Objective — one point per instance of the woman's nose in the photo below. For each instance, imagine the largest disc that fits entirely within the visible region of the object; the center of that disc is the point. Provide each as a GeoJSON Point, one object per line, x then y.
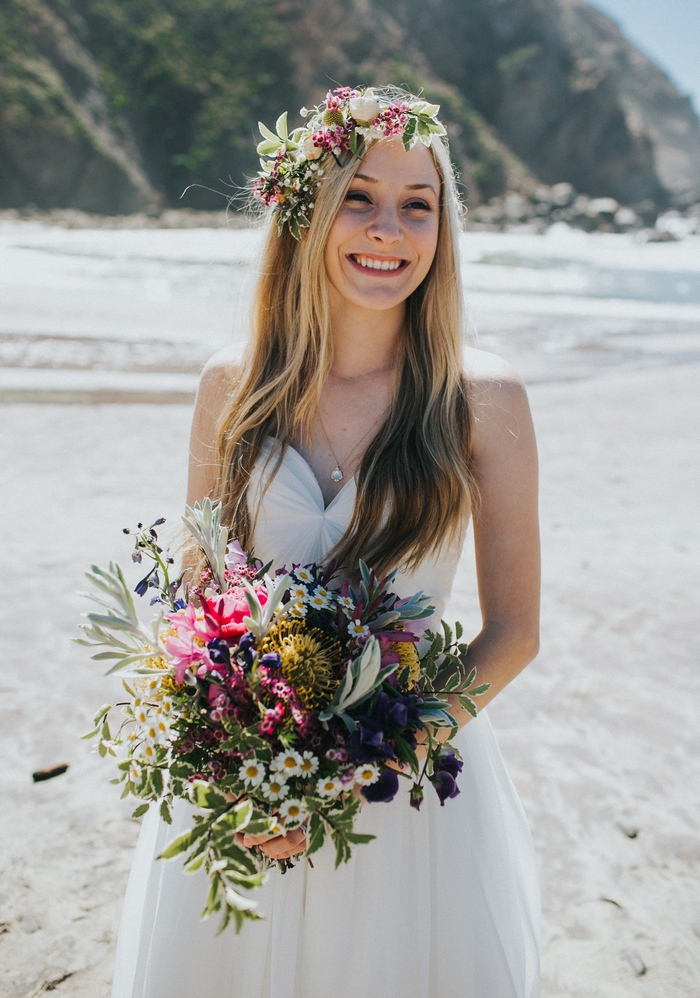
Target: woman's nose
{"type": "Point", "coordinates": [385, 227]}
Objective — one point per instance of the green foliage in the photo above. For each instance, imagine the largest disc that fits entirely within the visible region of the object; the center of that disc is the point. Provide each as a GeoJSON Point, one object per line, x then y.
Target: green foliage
{"type": "Point", "coordinates": [192, 77]}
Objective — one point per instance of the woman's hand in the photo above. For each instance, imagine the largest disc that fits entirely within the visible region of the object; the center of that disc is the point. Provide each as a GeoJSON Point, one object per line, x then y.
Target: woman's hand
{"type": "Point", "coordinates": [276, 846]}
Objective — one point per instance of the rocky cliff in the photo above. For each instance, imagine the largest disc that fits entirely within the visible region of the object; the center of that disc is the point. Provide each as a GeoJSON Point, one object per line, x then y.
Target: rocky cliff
{"type": "Point", "coordinates": [119, 105]}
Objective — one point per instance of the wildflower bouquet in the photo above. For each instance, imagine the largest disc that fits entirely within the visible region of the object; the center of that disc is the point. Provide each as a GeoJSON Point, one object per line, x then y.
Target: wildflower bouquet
{"type": "Point", "coordinates": [269, 703]}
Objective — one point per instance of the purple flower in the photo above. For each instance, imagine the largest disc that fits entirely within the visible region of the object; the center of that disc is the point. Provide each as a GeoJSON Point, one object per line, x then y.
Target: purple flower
{"type": "Point", "coordinates": [219, 652]}
{"type": "Point", "coordinates": [385, 789]}
{"type": "Point", "coordinates": [447, 762]}
{"type": "Point", "coordinates": [445, 786]}
{"type": "Point", "coordinates": [416, 796]}
{"type": "Point", "coordinates": [367, 742]}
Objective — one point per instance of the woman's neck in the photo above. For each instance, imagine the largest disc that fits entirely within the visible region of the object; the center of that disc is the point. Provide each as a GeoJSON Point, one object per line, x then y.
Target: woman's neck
{"type": "Point", "coordinates": [365, 342]}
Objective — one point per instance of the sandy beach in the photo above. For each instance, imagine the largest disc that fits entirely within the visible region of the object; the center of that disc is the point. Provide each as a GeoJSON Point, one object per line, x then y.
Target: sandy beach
{"type": "Point", "coordinates": [101, 338]}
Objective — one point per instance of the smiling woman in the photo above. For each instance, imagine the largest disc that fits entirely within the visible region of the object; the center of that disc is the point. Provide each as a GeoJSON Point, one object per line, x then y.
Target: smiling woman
{"type": "Point", "coordinates": [358, 428]}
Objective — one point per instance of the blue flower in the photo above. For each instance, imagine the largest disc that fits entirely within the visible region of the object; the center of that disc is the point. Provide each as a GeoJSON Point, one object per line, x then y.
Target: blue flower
{"type": "Point", "coordinates": [219, 651]}
{"type": "Point", "coordinates": [445, 786]}
{"type": "Point", "coordinates": [447, 762]}
{"type": "Point", "coordinates": [385, 789]}
{"type": "Point", "coordinates": [367, 742]}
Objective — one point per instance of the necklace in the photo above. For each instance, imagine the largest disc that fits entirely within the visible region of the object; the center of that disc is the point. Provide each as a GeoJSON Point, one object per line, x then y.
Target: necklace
{"type": "Point", "coordinates": [337, 473]}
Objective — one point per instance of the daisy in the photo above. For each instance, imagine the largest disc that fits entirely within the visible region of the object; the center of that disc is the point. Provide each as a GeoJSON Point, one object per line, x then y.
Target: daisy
{"type": "Point", "coordinates": [141, 714]}
{"type": "Point", "coordinates": [293, 811]}
{"type": "Point", "coordinates": [329, 786]}
{"type": "Point", "coordinates": [358, 630]}
{"type": "Point", "coordinates": [288, 763]}
{"type": "Point", "coordinates": [252, 773]}
{"type": "Point", "coordinates": [304, 575]}
{"type": "Point", "coordinates": [367, 774]}
{"type": "Point", "coordinates": [298, 592]}
{"type": "Point", "coordinates": [276, 788]}
{"type": "Point", "coordinates": [346, 603]}
{"type": "Point", "coordinates": [319, 601]}
{"type": "Point", "coordinates": [297, 609]}
{"type": "Point", "coordinates": [149, 754]}
{"type": "Point", "coordinates": [308, 764]}
{"type": "Point", "coordinates": [134, 772]}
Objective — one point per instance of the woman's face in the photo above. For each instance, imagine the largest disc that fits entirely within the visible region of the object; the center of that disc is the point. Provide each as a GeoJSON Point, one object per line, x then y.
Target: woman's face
{"type": "Point", "coordinates": [384, 237]}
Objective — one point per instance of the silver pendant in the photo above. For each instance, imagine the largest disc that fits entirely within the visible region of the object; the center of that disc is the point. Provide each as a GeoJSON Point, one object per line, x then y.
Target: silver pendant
{"type": "Point", "coordinates": [337, 474]}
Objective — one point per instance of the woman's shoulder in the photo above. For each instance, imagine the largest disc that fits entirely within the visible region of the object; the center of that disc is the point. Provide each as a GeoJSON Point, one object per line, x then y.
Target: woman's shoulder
{"type": "Point", "coordinates": [219, 373]}
{"type": "Point", "coordinates": [498, 399]}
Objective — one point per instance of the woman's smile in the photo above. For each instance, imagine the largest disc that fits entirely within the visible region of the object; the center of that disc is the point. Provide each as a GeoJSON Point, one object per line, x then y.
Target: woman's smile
{"type": "Point", "coordinates": [377, 266]}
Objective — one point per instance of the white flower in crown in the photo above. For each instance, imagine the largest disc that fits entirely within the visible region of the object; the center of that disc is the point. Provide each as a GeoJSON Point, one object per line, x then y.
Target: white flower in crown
{"type": "Point", "coordinates": [367, 774]}
{"type": "Point", "coordinates": [288, 763]}
{"type": "Point", "coordinates": [304, 575]}
{"type": "Point", "coordinates": [298, 592]}
{"type": "Point", "coordinates": [308, 764]}
{"type": "Point", "coordinates": [346, 603]}
{"type": "Point", "coordinates": [311, 150]}
{"type": "Point", "coordinates": [363, 108]}
{"type": "Point", "coordinates": [276, 788]}
{"type": "Point", "coordinates": [293, 811]}
{"type": "Point", "coordinates": [329, 786]}
{"type": "Point", "coordinates": [252, 772]}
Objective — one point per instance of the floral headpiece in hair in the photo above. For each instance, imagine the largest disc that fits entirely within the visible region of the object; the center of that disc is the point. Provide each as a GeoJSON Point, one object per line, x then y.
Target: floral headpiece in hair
{"type": "Point", "coordinates": [292, 162]}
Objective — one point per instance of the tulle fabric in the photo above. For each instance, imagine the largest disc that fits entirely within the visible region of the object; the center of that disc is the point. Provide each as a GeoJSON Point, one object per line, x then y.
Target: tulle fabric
{"type": "Point", "coordinates": [444, 903]}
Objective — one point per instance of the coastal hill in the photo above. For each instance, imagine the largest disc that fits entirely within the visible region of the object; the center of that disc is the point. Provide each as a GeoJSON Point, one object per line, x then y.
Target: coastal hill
{"type": "Point", "coordinates": [117, 106]}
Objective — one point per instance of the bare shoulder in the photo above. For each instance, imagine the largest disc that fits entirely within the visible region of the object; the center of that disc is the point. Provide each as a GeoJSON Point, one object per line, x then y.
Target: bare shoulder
{"type": "Point", "coordinates": [221, 370]}
{"type": "Point", "coordinates": [499, 403]}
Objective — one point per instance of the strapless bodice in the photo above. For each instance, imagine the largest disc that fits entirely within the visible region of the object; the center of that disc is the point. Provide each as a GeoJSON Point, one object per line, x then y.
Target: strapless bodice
{"type": "Point", "coordinates": [292, 526]}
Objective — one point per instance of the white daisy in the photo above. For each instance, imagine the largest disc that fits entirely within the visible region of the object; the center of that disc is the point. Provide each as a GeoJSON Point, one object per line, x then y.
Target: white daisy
{"type": "Point", "coordinates": [166, 707]}
{"type": "Point", "coordinates": [367, 774]}
{"type": "Point", "coordinates": [141, 714]}
{"type": "Point", "coordinates": [346, 603]}
{"type": "Point", "coordinates": [288, 763]}
{"type": "Point", "coordinates": [277, 829]}
{"type": "Point", "coordinates": [329, 786]}
{"type": "Point", "coordinates": [135, 772]}
{"type": "Point", "coordinates": [149, 754]}
{"type": "Point", "coordinates": [358, 630]}
{"type": "Point", "coordinates": [308, 764]}
{"type": "Point", "coordinates": [252, 772]}
{"type": "Point", "coordinates": [304, 575]}
{"type": "Point", "coordinates": [276, 788]}
{"type": "Point", "coordinates": [293, 811]}
{"type": "Point", "coordinates": [297, 609]}
{"type": "Point", "coordinates": [298, 592]}
{"type": "Point", "coordinates": [320, 602]}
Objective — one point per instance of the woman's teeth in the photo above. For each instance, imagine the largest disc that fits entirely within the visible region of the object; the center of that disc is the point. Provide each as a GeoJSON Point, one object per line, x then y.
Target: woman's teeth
{"type": "Point", "coordinates": [365, 261]}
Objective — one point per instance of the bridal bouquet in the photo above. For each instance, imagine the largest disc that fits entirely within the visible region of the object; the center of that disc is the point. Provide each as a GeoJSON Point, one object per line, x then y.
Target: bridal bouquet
{"type": "Point", "coordinates": [269, 702]}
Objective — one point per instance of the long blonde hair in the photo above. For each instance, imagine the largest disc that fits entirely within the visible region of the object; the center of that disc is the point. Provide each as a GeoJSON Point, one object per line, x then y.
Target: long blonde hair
{"type": "Point", "coordinates": [414, 483]}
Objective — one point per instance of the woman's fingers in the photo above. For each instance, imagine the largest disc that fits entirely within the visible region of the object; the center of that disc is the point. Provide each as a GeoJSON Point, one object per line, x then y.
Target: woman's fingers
{"type": "Point", "coordinates": [285, 846]}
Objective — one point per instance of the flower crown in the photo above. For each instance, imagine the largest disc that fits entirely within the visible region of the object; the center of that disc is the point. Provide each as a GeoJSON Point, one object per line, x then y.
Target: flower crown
{"type": "Point", "coordinates": [292, 162]}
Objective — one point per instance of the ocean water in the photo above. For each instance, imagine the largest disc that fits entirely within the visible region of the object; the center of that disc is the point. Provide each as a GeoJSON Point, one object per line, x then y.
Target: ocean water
{"type": "Point", "coordinates": [101, 314]}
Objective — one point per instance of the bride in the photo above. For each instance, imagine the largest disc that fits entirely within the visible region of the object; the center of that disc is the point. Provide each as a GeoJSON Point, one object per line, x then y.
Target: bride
{"type": "Point", "coordinates": [357, 426]}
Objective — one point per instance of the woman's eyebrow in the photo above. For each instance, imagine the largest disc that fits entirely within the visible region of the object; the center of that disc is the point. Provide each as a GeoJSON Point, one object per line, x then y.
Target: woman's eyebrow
{"type": "Point", "coordinates": [409, 187]}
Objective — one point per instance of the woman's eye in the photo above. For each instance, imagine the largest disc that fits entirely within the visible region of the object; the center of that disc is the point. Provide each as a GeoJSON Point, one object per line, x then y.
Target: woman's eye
{"type": "Point", "coordinates": [422, 205]}
{"type": "Point", "coordinates": [358, 196]}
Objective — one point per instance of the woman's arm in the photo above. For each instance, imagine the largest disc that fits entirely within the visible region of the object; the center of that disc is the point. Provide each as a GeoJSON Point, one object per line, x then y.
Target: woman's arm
{"type": "Point", "coordinates": [218, 376]}
{"type": "Point", "coordinates": [506, 532]}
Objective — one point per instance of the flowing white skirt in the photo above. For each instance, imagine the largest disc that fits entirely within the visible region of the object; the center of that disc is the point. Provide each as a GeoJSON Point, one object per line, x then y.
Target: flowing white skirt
{"type": "Point", "coordinates": [444, 903]}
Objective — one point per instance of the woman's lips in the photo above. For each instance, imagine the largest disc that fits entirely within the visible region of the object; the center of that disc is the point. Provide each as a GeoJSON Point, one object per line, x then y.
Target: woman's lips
{"type": "Point", "coordinates": [376, 265]}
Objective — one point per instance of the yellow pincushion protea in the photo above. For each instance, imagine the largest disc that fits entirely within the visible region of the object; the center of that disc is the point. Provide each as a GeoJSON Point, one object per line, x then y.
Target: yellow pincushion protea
{"type": "Point", "coordinates": [155, 687]}
{"type": "Point", "coordinates": [408, 658]}
{"type": "Point", "coordinates": [310, 660]}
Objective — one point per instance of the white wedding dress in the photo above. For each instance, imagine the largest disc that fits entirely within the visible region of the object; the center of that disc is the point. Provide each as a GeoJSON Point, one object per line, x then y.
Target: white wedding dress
{"type": "Point", "coordinates": [444, 903]}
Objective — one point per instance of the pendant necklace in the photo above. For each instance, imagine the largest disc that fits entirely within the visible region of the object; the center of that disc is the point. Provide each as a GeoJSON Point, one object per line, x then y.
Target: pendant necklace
{"type": "Point", "coordinates": [337, 473]}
